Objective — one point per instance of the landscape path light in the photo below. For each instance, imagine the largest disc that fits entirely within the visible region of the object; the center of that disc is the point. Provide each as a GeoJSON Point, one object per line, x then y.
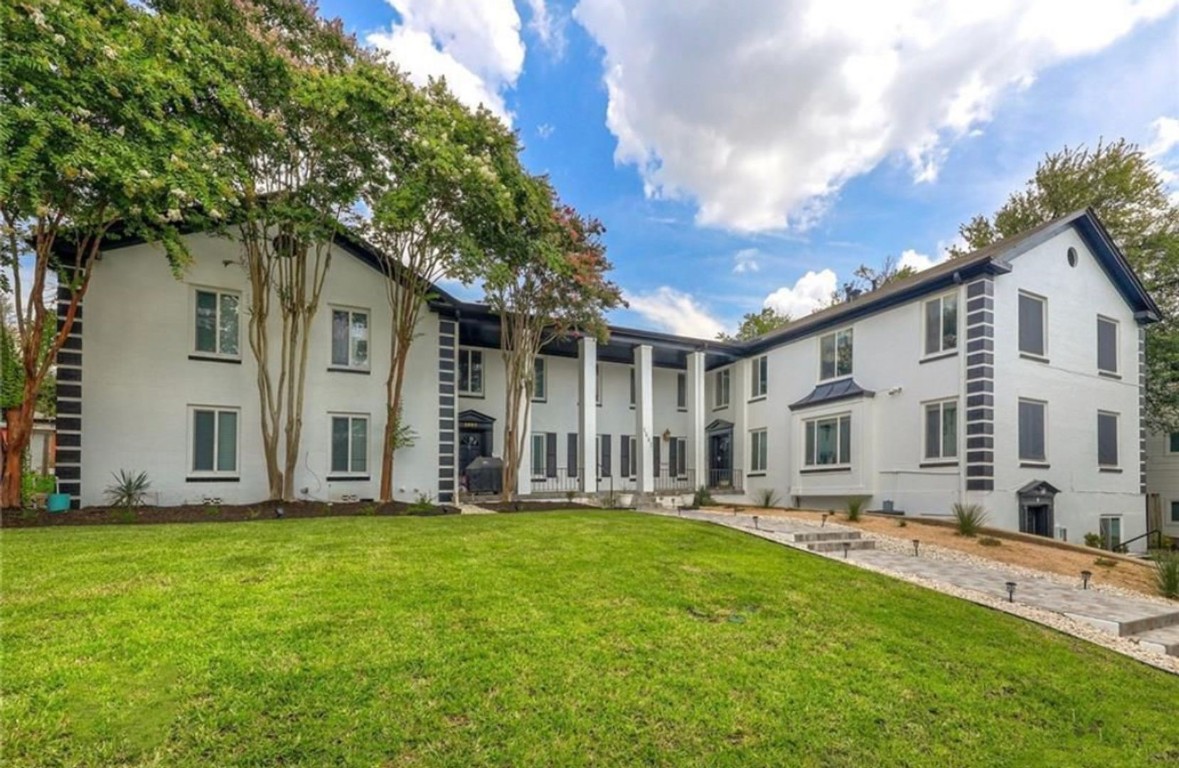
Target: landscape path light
{"type": "Point", "coordinates": [1085, 576]}
{"type": "Point", "coordinates": [1011, 591]}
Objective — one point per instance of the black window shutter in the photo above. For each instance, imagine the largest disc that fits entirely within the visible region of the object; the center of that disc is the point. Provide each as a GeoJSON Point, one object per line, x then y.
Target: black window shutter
{"type": "Point", "coordinates": [624, 451]}
{"type": "Point", "coordinates": [571, 469]}
{"type": "Point", "coordinates": [655, 455]}
{"type": "Point", "coordinates": [606, 456]}
{"type": "Point", "coordinates": [550, 454]}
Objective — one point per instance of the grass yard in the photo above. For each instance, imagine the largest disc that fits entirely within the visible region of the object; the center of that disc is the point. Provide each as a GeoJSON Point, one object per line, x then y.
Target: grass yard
{"type": "Point", "coordinates": [530, 639]}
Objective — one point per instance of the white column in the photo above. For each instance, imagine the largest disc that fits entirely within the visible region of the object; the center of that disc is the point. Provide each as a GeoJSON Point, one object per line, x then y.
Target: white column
{"type": "Point", "coordinates": [587, 414]}
{"type": "Point", "coordinates": [697, 441]}
{"type": "Point", "coordinates": [644, 421]}
{"type": "Point", "coordinates": [524, 471]}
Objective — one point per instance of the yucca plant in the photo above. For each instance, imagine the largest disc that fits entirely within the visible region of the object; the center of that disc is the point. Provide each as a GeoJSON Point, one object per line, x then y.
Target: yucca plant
{"type": "Point", "coordinates": [1166, 572]}
{"type": "Point", "coordinates": [128, 490]}
{"type": "Point", "coordinates": [855, 506]}
{"type": "Point", "coordinates": [766, 498]}
{"type": "Point", "coordinates": [969, 518]}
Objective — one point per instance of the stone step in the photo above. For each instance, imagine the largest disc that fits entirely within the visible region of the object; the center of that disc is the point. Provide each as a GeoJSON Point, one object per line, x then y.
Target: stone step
{"type": "Point", "coordinates": [837, 546]}
{"type": "Point", "coordinates": [1148, 623]}
{"type": "Point", "coordinates": [801, 538]}
{"type": "Point", "coordinates": [1163, 640]}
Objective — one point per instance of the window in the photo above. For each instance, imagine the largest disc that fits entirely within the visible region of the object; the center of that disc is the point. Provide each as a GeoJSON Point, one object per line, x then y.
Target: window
{"type": "Point", "coordinates": [835, 355]}
{"type": "Point", "coordinates": [941, 324]}
{"type": "Point", "coordinates": [1175, 511]}
{"type": "Point", "coordinates": [681, 391]}
{"type": "Point", "coordinates": [1107, 439]}
{"type": "Point", "coordinates": [538, 455]}
{"type": "Point", "coordinates": [1032, 430]}
{"type": "Point", "coordinates": [217, 330]}
{"type": "Point", "coordinates": [1107, 345]}
{"type": "Point", "coordinates": [349, 338]}
{"type": "Point", "coordinates": [214, 441]}
{"type": "Point", "coordinates": [627, 447]}
{"type": "Point", "coordinates": [677, 456]}
{"type": "Point", "coordinates": [470, 372]}
{"type": "Point", "coordinates": [1174, 442]}
{"type": "Point", "coordinates": [349, 445]}
{"type": "Point", "coordinates": [760, 378]}
{"type": "Point", "coordinates": [1111, 531]}
{"type": "Point", "coordinates": [598, 384]}
{"type": "Point", "coordinates": [941, 431]}
{"type": "Point", "coordinates": [758, 451]}
{"type": "Point", "coordinates": [1032, 334]}
{"type": "Point", "coordinates": [632, 387]}
{"type": "Point", "coordinates": [828, 441]}
{"type": "Point", "coordinates": [603, 449]}
{"type": "Point", "coordinates": [722, 388]}
{"type": "Point", "coordinates": [539, 381]}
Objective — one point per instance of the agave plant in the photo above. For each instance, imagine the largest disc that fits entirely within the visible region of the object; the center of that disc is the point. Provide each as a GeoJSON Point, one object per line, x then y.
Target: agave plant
{"type": "Point", "coordinates": [128, 490]}
{"type": "Point", "coordinates": [855, 506]}
{"type": "Point", "coordinates": [766, 498]}
{"type": "Point", "coordinates": [1166, 572]}
{"type": "Point", "coordinates": [969, 518]}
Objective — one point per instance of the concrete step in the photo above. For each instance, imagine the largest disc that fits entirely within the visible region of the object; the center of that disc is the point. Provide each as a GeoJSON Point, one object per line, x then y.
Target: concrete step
{"type": "Point", "coordinates": [1163, 640]}
{"type": "Point", "coordinates": [1148, 623]}
{"type": "Point", "coordinates": [837, 546]}
{"type": "Point", "coordinates": [801, 538]}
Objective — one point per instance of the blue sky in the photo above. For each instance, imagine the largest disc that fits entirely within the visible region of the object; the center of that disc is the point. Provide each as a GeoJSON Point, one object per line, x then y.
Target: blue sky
{"type": "Point", "coordinates": [730, 154]}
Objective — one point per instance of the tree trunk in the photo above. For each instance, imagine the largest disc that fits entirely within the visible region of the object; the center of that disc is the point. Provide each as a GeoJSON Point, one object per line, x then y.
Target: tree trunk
{"type": "Point", "coordinates": [20, 429]}
{"type": "Point", "coordinates": [394, 388]}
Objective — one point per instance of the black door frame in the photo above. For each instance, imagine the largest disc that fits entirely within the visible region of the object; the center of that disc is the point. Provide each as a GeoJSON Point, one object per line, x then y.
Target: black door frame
{"type": "Point", "coordinates": [479, 427]}
{"type": "Point", "coordinates": [720, 473]}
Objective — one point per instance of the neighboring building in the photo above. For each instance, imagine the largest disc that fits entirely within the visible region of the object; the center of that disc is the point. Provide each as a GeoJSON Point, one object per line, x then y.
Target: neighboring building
{"type": "Point", "coordinates": [1162, 482]}
{"type": "Point", "coordinates": [1010, 378]}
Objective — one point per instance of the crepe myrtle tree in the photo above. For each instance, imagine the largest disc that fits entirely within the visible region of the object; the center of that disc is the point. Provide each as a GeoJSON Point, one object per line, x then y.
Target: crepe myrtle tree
{"type": "Point", "coordinates": [304, 152]}
{"type": "Point", "coordinates": [104, 119]}
{"type": "Point", "coordinates": [1128, 192]}
{"type": "Point", "coordinates": [438, 178]}
{"type": "Point", "coordinates": [553, 286]}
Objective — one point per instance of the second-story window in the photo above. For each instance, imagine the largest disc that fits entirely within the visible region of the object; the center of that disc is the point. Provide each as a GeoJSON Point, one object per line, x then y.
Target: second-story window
{"type": "Point", "coordinates": [632, 387]}
{"type": "Point", "coordinates": [761, 375]}
{"type": "Point", "coordinates": [470, 370]}
{"type": "Point", "coordinates": [941, 324]}
{"type": "Point", "coordinates": [681, 391]}
{"type": "Point", "coordinates": [539, 380]}
{"type": "Point", "coordinates": [350, 339]}
{"type": "Point", "coordinates": [835, 355]}
{"type": "Point", "coordinates": [1033, 334]}
{"type": "Point", "coordinates": [1107, 345]}
{"type": "Point", "coordinates": [217, 328]}
{"type": "Point", "coordinates": [721, 398]}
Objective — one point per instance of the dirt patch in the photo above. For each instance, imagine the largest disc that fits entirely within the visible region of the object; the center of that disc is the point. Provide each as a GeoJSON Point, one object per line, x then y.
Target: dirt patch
{"type": "Point", "coordinates": [216, 513]}
{"type": "Point", "coordinates": [1123, 572]}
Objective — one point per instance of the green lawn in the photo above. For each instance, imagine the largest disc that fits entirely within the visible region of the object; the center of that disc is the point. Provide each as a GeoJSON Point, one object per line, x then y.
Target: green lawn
{"type": "Point", "coordinates": [530, 639]}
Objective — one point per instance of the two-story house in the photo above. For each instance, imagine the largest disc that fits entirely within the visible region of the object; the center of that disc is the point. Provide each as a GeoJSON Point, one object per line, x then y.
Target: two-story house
{"type": "Point", "coordinates": [1010, 377]}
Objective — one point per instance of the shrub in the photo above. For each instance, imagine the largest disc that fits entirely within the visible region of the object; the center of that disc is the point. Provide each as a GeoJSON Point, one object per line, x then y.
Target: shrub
{"type": "Point", "coordinates": [989, 541]}
{"type": "Point", "coordinates": [33, 484]}
{"type": "Point", "coordinates": [766, 498]}
{"type": "Point", "coordinates": [128, 490]}
{"type": "Point", "coordinates": [901, 523]}
{"type": "Point", "coordinates": [423, 503]}
{"type": "Point", "coordinates": [855, 506]}
{"type": "Point", "coordinates": [1105, 562]}
{"type": "Point", "coordinates": [969, 518]}
{"type": "Point", "coordinates": [1093, 540]}
{"type": "Point", "coordinates": [702, 498]}
{"type": "Point", "coordinates": [1166, 572]}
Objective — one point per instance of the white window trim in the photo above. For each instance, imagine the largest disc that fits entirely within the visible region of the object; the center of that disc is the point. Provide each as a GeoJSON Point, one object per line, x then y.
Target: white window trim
{"type": "Point", "coordinates": [540, 397]}
{"type": "Point", "coordinates": [541, 474]}
{"type": "Point", "coordinates": [681, 457]}
{"type": "Point", "coordinates": [1042, 356]}
{"type": "Point", "coordinates": [598, 384]}
{"type": "Point", "coordinates": [191, 452]}
{"type": "Point", "coordinates": [1167, 519]}
{"type": "Point", "coordinates": [717, 405]}
{"type": "Point", "coordinates": [758, 390]}
{"type": "Point", "coordinates": [1167, 444]}
{"type": "Point", "coordinates": [838, 376]}
{"type": "Point", "coordinates": [851, 442]}
{"type": "Point", "coordinates": [219, 292]}
{"type": "Point", "coordinates": [1117, 417]}
{"type": "Point", "coordinates": [1121, 528]}
{"type": "Point", "coordinates": [458, 368]}
{"type": "Point", "coordinates": [681, 376]}
{"type": "Point", "coordinates": [941, 458]}
{"type": "Point", "coordinates": [368, 436]}
{"type": "Point", "coordinates": [350, 366]}
{"type": "Point", "coordinates": [1047, 431]}
{"type": "Point", "coordinates": [765, 435]}
{"type": "Point", "coordinates": [1117, 369]}
{"type": "Point", "coordinates": [942, 351]}
{"type": "Point", "coordinates": [633, 384]}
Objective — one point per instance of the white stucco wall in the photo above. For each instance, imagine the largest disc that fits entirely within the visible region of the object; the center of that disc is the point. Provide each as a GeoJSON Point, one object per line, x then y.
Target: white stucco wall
{"type": "Point", "coordinates": [1162, 477]}
{"type": "Point", "coordinates": [139, 383]}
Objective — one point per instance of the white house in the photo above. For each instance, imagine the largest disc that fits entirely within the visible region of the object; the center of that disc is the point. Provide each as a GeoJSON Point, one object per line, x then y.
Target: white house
{"type": "Point", "coordinates": [1162, 482]}
{"type": "Point", "coordinates": [1009, 378]}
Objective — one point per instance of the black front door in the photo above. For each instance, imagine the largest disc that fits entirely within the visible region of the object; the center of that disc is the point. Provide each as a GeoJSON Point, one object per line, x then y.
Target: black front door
{"type": "Point", "coordinates": [720, 459]}
{"type": "Point", "coordinates": [1038, 519]}
{"type": "Point", "coordinates": [473, 443]}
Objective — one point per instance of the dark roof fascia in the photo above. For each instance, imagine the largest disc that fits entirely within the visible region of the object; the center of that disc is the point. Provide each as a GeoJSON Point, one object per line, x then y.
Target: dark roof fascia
{"type": "Point", "coordinates": [853, 392]}
{"type": "Point", "coordinates": [1118, 269]}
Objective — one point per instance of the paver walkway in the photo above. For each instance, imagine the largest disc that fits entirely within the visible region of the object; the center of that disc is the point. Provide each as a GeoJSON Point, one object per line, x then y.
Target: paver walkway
{"type": "Point", "coordinates": [1154, 625]}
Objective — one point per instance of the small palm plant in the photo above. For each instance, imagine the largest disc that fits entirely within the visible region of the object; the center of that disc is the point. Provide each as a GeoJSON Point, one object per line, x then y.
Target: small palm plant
{"type": "Point", "coordinates": [1166, 572]}
{"type": "Point", "coordinates": [855, 506]}
{"type": "Point", "coordinates": [128, 490]}
{"type": "Point", "coordinates": [969, 518]}
{"type": "Point", "coordinates": [766, 498]}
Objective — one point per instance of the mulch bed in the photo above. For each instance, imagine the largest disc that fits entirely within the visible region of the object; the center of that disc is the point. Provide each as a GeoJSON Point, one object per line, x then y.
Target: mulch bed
{"type": "Point", "coordinates": [209, 513]}
{"type": "Point", "coordinates": [531, 506]}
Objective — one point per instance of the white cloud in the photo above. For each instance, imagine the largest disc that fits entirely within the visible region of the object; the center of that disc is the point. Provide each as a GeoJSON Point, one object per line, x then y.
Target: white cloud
{"type": "Point", "coordinates": [811, 291]}
{"type": "Point", "coordinates": [544, 130]}
{"type": "Point", "coordinates": [474, 44]}
{"type": "Point", "coordinates": [745, 260]}
{"type": "Point", "coordinates": [920, 261]}
{"type": "Point", "coordinates": [675, 312]}
{"type": "Point", "coordinates": [761, 115]}
{"type": "Point", "coordinates": [1166, 136]}
{"type": "Point", "coordinates": [548, 28]}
